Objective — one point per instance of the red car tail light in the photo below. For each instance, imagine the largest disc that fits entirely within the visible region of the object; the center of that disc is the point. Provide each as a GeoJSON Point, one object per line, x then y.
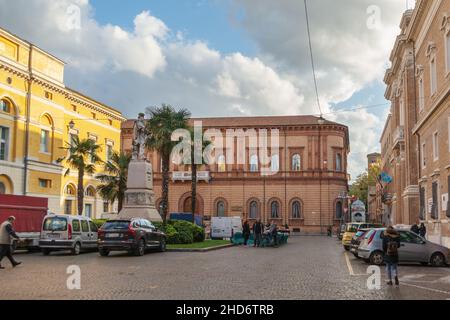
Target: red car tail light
{"type": "Point", "coordinates": [69, 232]}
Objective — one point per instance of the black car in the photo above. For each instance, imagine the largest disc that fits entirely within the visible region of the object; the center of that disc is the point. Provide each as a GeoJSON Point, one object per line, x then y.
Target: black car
{"type": "Point", "coordinates": [132, 235]}
{"type": "Point", "coordinates": [356, 241]}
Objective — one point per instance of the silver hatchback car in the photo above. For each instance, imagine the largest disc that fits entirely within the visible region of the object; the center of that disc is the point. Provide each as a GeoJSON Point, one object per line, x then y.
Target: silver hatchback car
{"type": "Point", "coordinates": [413, 248]}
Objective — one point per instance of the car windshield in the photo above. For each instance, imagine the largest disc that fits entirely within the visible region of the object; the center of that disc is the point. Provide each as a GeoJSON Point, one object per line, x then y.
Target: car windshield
{"type": "Point", "coordinates": [55, 224]}
{"type": "Point", "coordinates": [359, 233]}
{"type": "Point", "coordinates": [352, 227]}
{"type": "Point", "coordinates": [116, 225]}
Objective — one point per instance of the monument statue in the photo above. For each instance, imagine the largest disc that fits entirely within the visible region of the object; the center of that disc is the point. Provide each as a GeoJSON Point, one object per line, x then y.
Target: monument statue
{"type": "Point", "coordinates": [139, 138]}
{"type": "Point", "coordinates": [139, 197]}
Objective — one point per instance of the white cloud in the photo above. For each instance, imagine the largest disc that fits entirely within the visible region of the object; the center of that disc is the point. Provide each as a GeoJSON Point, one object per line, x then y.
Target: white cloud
{"type": "Point", "coordinates": [151, 64]}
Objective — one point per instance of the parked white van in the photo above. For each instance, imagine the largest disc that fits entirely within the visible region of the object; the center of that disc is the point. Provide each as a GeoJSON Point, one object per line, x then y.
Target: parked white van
{"type": "Point", "coordinates": [64, 232]}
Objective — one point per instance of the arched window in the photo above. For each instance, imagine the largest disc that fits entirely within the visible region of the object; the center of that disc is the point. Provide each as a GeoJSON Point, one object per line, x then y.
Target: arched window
{"type": "Point", "coordinates": [254, 163]}
{"type": "Point", "coordinates": [338, 162]}
{"type": "Point", "coordinates": [220, 209]}
{"type": "Point", "coordinates": [90, 192]}
{"type": "Point", "coordinates": [5, 106]}
{"type": "Point", "coordinates": [253, 210]}
{"type": "Point", "coordinates": [70, 190]}
{"type": "Point", "coordinates": [221, 165]}
{"type": "Point", "coordinates": [296, 162]}
{"type": "Point", "coordinates": [338, 210]}
{"type": "Point", "coordinates": [2, 188]}
{"type": "Point", "coordinates": [275, 163]}
{"type": "Point", "coordinates": [274, 210]}
{"type": "Point", "coordinates": [296, 210]}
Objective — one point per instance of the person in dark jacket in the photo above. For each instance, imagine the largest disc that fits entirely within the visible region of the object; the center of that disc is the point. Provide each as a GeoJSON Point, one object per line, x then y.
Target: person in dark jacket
{"type": "Point", "coordinates": [257, 233]}
{"type": "Point", "coordinates": [415, 228]}
{"type": "Point", "coordinates": [246, 231]}
{"type": "Point", "coordinates": [391, 244]}
{"type": "Point", "coordinates": [7, 234]}
{"type": "Point", "coordinates": [422, 230]}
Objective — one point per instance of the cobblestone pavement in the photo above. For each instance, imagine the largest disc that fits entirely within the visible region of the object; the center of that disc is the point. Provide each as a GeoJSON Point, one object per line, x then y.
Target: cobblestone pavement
{"type": "Point", "coordinates": [306, 268]}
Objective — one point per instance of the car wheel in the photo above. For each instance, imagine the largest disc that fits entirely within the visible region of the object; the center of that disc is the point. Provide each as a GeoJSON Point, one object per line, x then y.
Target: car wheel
{"type": "Point", "coordinates": [437, 260]}
{"type": "Point", "coordinates": [162, 245]}
{"type": "Point", "coordinates": [76, 249]}
{"type": "Point", "coordinates": [140, 249]}
{"type": "Point", "coordinates": [103, 252]}
{"type": "Point", "coordinates": [46, 252]}
{"type": "Point", "coordinates": [376, 258]}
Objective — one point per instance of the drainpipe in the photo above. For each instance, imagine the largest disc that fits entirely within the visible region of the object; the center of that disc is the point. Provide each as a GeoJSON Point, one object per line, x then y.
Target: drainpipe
{"type": "Point", "coordinates": [27, 123]}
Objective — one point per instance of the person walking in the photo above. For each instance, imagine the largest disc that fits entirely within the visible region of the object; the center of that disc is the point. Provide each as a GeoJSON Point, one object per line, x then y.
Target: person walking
{"type": "Point", "coordinates": [415, 228]}
{"type": "Point", "coordinates": [273, 231]}
{"type": "Point", "coordinates": [422, 230]}
{"type": "Point", "coordinates": [391, 243]}
{"type": "Point", "coordinates": [246, 231]}
{"type": "Point", "coordinates": [257, 233]}
{"type": "Point", "coordinates": [7, 234]}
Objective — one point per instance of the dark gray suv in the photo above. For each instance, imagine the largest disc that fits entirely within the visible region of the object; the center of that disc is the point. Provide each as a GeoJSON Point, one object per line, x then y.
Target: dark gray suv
{"type": "Point", "coordinates": [132, 235]}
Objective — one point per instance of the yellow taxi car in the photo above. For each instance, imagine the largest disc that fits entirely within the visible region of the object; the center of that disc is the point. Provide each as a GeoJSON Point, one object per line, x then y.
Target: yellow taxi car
{"type": "Point", "coordinates": [352, 228]}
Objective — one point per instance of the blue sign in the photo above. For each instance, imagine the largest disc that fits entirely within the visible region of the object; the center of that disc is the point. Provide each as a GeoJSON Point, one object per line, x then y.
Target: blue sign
{"type": "Point", "coordinates": [385, 177]}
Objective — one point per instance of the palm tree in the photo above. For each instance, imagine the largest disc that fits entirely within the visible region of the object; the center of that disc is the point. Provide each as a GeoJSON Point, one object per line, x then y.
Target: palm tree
{"type": "Point", "coordinates": [162, 122]}
{"type": "Point", "coordinates": [114, 179]}
{"type": "Point", "coordinates": [81, 156]}
{"type": "Point", "coordinates": [194, 167]}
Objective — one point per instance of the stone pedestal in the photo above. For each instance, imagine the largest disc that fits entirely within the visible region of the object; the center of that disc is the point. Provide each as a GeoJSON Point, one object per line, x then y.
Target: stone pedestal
{"type": "Point", "coordinates": [139, 197]}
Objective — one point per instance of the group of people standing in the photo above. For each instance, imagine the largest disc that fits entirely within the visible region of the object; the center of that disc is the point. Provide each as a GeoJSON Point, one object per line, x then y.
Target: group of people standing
{"type": "Point", "coordinates": [260, 232]}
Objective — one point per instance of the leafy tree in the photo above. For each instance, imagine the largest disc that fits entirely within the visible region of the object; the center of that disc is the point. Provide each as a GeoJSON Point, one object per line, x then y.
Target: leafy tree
{"type": "Point", "coordinates": [81, 156]}
{"type": "Point", "coordinates": [162, 122]}
{"type": "Point", "coordinates": [114, 179]}
{"type": "Point", "coordinates": [360, 188]}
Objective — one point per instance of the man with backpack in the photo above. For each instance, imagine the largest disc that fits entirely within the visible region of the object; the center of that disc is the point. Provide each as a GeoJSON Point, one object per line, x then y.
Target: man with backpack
{"type": "Point", "coordinates": [391, 243]}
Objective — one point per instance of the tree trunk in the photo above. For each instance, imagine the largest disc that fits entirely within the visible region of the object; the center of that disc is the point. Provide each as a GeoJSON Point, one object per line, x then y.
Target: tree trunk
{"type": "Point", "coordinates": [165, 186]}
{"type": "Point", "coordinates": [193, 189]}
{"type": "Point", "coordinates": [120, 201]}
{"type": "Point", "coordinates": [80, 192]}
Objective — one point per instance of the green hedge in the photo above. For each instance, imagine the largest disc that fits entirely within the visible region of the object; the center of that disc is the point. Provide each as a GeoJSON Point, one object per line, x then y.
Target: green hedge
{"type": "Point", "coordinates": [182, 232]}
{"type": "Point", "coordinates": [99, 222]}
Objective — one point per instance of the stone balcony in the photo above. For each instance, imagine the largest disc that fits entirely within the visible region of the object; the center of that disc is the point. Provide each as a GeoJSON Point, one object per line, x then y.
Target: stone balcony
{"type": "Point", "coordinates": [399, 136]}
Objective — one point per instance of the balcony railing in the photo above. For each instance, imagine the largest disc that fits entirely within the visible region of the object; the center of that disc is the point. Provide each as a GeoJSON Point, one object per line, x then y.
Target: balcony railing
{"type": "Point", "coordinates": [187, 176]}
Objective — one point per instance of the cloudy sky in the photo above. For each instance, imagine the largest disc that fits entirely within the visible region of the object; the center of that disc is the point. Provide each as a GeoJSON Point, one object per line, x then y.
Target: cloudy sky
{"type": "Point", "coordinates": [224, 57]}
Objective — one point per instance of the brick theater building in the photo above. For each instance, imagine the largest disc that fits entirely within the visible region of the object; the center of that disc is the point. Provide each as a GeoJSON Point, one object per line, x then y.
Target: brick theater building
{"type": "Point", "coordinates": [304, 190]}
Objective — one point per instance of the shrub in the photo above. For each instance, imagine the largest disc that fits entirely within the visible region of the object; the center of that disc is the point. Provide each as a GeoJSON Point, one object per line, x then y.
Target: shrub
{"type": "Point", "coordinates": [183, 232]}
{"type": "Point", "coordinates": [99, 222]}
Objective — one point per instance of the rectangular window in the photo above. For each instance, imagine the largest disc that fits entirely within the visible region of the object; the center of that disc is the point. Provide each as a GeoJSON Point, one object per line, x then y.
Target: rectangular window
{"type": "Point", "coordinates": [435, 146]}
{"type": "Point", "coordinates": [45, 183]}
{"type": "Point", "coordinates": [4, 143]}
{"type": "Point", "coordinates": [48, 95]}
{"type": "Point", "coordinates": [433, 74]}
{"type": "Point", "coordinates": [68, 207]}
{"type": "Point", "coordinates": [421, 95]}
{"type": "Point", "coordinates": [45, 141]}
{"type": "Point", "coordinates": [105, 206]}
{"type": "Point", "coordinates": [435, 204]}
{"type": "Point", "coordinates": [422, 212]}
{"type": "Point", "coordinates": [423, 156]}
{"type": "Point", "coordinates": [109, 152]}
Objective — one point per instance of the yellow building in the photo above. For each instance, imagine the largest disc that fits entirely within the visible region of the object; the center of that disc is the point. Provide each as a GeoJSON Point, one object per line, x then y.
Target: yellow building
{"type": "Point", "coordinates": [38, 116]}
